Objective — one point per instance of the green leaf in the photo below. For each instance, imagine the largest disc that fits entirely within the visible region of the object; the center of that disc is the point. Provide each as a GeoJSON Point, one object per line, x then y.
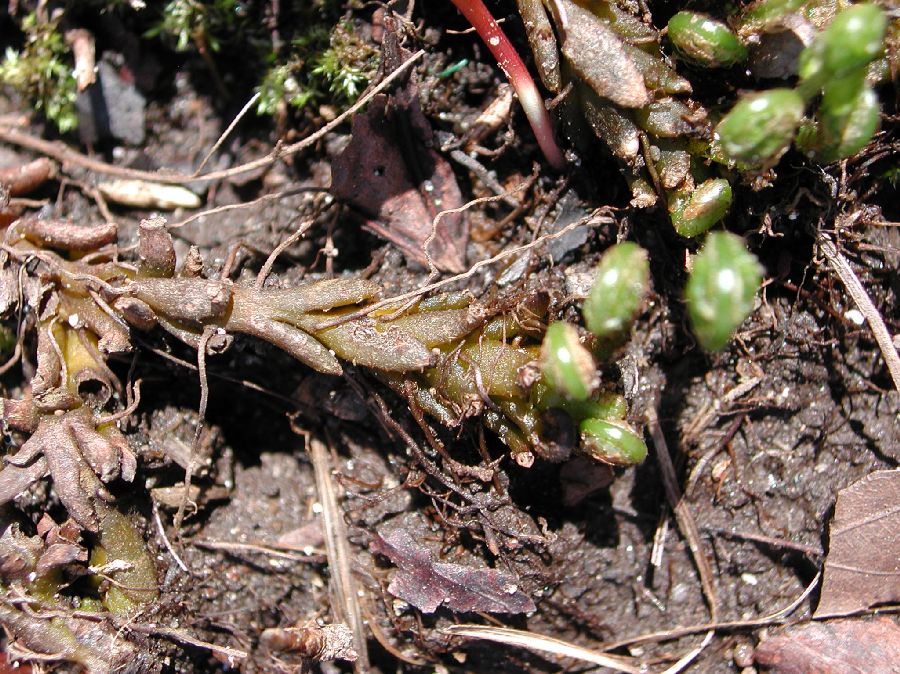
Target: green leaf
{"type": "Point", "coordinates": [761, 126]}
{"type": "Point", "coordinates": [566, 364]}
{"type": "Point", "coordinates": [721, 288]}
{"type": "Point", "coordinates": [623, 279]}
{"type": "Point", "coordinates": [704, 40]}
{"type": "Point", "coordinates": [612, 442]}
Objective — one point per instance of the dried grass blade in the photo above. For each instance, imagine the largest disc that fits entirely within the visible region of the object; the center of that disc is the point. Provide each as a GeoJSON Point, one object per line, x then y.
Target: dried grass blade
{"type": "Point", "coordinates": [344, 604]}
{"type": "Point", "coordinates": [544, 644]}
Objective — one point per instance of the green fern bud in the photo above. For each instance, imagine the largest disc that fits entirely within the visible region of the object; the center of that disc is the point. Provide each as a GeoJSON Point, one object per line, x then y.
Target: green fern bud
{"type": "Point", "coordinates": [623, 279]}
{"type": "Point", "coordinates": [853, 39]}
{"type": "Point", "coordinates": [566, 364]}
{"type": "Point", "coordinates": [848, 118]}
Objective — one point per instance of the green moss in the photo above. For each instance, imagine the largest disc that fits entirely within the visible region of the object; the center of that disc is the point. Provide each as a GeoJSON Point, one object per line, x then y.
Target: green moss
{"type": "Point", "coordinates": [43, 71]}
{"type": "Point", "coordinates": [323, 65]}
{"type": "Point", "coordinates": [192, 22]}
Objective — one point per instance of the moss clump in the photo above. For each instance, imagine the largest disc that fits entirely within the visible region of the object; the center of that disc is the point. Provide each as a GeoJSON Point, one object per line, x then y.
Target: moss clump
{"type": "Point", "coordinates": [43, 72]}
{"type": "Point", "coordinates": [199, 24]}
{"type": "Point", "coordinates": [334, 66]}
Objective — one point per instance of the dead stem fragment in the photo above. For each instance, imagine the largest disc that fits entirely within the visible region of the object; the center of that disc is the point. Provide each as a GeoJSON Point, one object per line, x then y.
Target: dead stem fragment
{"type": "Point", "coordinates": [345, 600]}
{"type": "Point", "coordinates": [863, 302]}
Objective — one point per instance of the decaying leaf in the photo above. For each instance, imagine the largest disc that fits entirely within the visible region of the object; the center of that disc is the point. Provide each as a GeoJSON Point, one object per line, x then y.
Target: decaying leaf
{"type": "Point", "coordinates": [862, 568]}
{"type": "Point", "coordinates": [391, 174]}
{"type": "Point", "coordinates": [426, 583]}
{"type": "Point", "coordinates": [96, 647]}
{"type": "Point", "coordinates": [598, 56]}
{"type": "Point", "coordinates": [543, 43]}
{"type": "Point", "coordinates": [848, 646]}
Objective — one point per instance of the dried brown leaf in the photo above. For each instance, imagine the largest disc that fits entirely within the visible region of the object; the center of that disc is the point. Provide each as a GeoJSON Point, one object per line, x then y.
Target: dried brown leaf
{"type": "Point", "coordinates": [392, 176]}
{"type": "Point", "coordinates": [598, 56]}
{"type": "Point", "coordinates": [849, 646]}
{"type": "Point", "coordinates": [59, 555]}
{"type": "Point", "coordinates": [95, 646]}
{"type": "Point", "coordinates": [426, 583]}
{"type": "Point", "coordinates": [862, 568]}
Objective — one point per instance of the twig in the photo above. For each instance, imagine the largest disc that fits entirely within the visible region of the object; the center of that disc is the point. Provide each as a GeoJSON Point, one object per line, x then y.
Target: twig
{"type": "Point", "coordinates": [688, 657]}
{"type": "Point", "coordinates": [592, 220]}
{"type": "Point", "coordinates": [863, 302]}
{"type": "Point", "coordinates": [484, 175]}
{"type": "Point", "coordinates": [246, 204]}
{"type": "Point", "coordinates": [345, 603]}
{"type": "Point", "coordinates": [678, 632]}
{"type": "Point", "coordinates": [165, 539]}
{"type": "Point", "coordinates": [279, 249]}
{"type": "Point", "coordinates": [128, 411]}
{"type": "Point", "coordinates": [688, 528]}
{"type": "Point", "coordinates": [67, 155]}
{"type": "Point", "coordinates": [682, 513]}
{"type": "Point", "coordinates": [227, 132]}
{"type": "Point", "coordinates": [183, 637]}
{"type": "Point", "coordinates": [226, 546]}
{"type": "Point", "coordinates": [541, 643]}
{"type": "Point", "coordinates": [208, 332]}
{"type": "Point", "coordinates": [808, 550]}
{"type": "Point", "coordinates": [290, 403]}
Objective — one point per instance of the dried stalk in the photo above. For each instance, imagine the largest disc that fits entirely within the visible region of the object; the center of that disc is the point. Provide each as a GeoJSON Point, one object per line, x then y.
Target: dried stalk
{"type": "Point", "coordinates": [344, 604]}
{"type": "Point", "coordinates": [863, 302]}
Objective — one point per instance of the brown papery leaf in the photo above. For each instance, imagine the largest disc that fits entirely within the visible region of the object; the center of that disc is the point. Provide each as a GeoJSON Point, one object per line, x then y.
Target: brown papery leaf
{"type": "Point", "coordinates": [596, 54]}
{"type": "Point", "coordinates": [862, 568]}
{"type": "Point", "coordinates": [391, 174]}
{"type": "Point", "coordinates": [426, 583]}
{"type": "Point", "coordinates": [848, 646]}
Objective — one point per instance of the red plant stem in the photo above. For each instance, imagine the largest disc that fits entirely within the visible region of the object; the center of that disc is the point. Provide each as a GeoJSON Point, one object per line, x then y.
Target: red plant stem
{"type": "Point", "coordinates": [514, 68]}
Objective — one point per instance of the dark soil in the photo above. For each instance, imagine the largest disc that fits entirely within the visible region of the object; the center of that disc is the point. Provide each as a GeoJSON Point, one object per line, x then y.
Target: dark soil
{"type": "Point", "coordinates": [763, 435]}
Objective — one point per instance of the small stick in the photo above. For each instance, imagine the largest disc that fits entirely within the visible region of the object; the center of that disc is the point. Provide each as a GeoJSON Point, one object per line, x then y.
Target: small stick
{"type": "Point", "coordinates": [165, 539]}
{"type": "Point", "coordinates": [227, 132]}
{"type": "Point", "coordinates": [544, 644]}
{"type": "Point", "coordinates": [592, 220]}
{"type": "Point", "coordinates": [128, 411]}
{"type": "Point", "coordinates": [279, 249]}
{"type": "Point", "coordinates": [208, 332]}
{"type": "Point", "coordinates": [28, 177]}
{"type": "Point", "coordinates": [863, 302]}
{"type": "Point", "coordinates": [678, 632]}
{"type": "Point", "coordinates": [688, 528]}
{"type": "Point", "coordinates": [226, 546]}
{"type": "Point", "coordinates": [183, 637]}
{"type": "Point", "coordinates": [682, 514]}
{"type": "Point", "coordinates": [808, 550]}
{"type": "Point", "coordinates": [67, 155]}
{"type": "Point", "coordinates": [246, 204]}
{"type": "Point", "coordinates": [345, 603]}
